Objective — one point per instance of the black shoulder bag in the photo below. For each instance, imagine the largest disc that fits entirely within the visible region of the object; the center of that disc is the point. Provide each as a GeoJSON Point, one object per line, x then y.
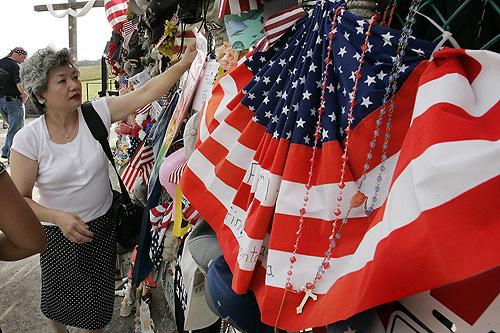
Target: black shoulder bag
{"type": "Point", "coordinates": [129, 215]}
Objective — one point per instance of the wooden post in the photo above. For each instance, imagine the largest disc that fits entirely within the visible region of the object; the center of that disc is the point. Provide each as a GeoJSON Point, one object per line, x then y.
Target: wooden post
{"type": "Point", "coordinates": [72, 32]}
{"type": "Point", "coordinates": [72, 27]}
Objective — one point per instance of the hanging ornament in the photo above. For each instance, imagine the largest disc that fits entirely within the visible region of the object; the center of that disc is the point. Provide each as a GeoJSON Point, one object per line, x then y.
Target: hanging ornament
{"type": "Point", "coordinates": [70, 11]}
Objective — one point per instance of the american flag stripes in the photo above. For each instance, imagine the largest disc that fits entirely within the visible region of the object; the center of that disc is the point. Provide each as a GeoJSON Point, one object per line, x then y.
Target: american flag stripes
{"type": "Point", "coordinates": [182, 40]}
{"type": "Point", "coordinates": [175, 176]}
{"type": "Point", "coordinates": [161, 216]}
{"type": "Point", "coordinates": [217, 109]}
{"type": "Point", "coordinates": [237, 6]}
{"type": "Point", "coordinates": [123, 83]}
{"type": "Point", "coordinates": [276, 25]}
{"type": "Point", "coordinates": [128, 27]}
{"type": "Point", "coordinates": [147, 161]}
{"type": "Point", "coordinates": [160, 219]}
{"type": "Point", "coordinates": [436, 210]}
{"type": "Point", "coordinates": [116, 13]}
{"type": "Point", "coordinates": [145, 109]}
{"type": "Point", "coordinates": [140, 165]}
{"type": "Point", "coordinates": [189, 213]}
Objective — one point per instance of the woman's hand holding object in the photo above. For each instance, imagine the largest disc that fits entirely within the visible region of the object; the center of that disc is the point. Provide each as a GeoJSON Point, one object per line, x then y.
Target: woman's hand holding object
{"type": "Point", "coordinates": [73, 228]}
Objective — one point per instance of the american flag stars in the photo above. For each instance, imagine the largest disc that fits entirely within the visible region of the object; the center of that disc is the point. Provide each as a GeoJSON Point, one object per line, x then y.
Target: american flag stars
{"type": "Point", "coordinates": [369, 80]}
{"type": "Point", "coordinates": [300, 123]}
{"type": "Point", "coordinates": [285, 91]}
{"type": "Point", "coordinates": [381, 75]}
{"type": "Point", "coordinates": [387, 38]}
{"type": "Point", "coordinates": [366, 101]}
{"type": "Point", "coordinates": [342, 51]}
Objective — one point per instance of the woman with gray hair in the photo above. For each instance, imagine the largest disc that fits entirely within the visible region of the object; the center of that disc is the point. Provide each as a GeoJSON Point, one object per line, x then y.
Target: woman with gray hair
{"type": "Point", "coordinates": [59, 155]}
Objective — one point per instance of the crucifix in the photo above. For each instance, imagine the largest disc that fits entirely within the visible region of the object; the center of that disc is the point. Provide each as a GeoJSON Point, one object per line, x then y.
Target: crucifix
{"type": "Point", "coordinates": [70, 11]}
{"type": "Point", "coordinates": [308, 294]}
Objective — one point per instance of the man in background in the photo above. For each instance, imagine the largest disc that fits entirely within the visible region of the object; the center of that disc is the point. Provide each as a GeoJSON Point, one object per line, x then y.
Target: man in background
{"type": "Point", "coordinates": [12, 96]}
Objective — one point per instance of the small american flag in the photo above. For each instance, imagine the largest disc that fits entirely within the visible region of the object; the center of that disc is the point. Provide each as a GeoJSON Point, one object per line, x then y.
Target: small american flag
{"type": "Point", "coordinates": [116, 13]}
{"type": "Point", "coordinates": [128, 27]}
{"type": "Point", "coordinates": [147, 161]}
{"type": "Point", "coordinates": [160, 219]}
{"type": "Point", "coordinates": [123, 83]}
{"type": "Point", "coordinates": [227, 7]}
{"type": "Point", "coordinates": [175, 176]}
{"type": "Point", "coordinates": [161, 215]}
{"type": "Point", "coordinates": [276, 25]}
{"type": "Point", "coordinates": [140, 165]}
{"type": "Point", "coordinates": [247, 176]}
{"type": "Point", "coordinates": [189, 213]}
{"type": "Point", "coordinates": [182, 40]}
{"type": "Point", "coordinates": [145, 109]}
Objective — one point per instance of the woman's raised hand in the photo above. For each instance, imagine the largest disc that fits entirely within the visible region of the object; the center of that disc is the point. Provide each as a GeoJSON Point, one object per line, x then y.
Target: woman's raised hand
{"type": "Point", "coordinates": [189, 55]}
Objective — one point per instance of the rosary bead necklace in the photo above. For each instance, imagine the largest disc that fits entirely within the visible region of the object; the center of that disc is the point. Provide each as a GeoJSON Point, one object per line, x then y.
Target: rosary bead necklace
{"type": "Point", "coordinates": [359, 197]}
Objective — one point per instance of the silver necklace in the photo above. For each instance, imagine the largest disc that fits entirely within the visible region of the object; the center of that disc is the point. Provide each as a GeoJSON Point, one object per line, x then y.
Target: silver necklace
{"type": "Point", "coordinates": [65, 135]}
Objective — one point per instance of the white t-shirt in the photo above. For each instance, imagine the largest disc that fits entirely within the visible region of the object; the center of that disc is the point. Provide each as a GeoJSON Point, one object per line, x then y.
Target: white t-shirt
{"type": "Point", "coordinates": [72, 177]}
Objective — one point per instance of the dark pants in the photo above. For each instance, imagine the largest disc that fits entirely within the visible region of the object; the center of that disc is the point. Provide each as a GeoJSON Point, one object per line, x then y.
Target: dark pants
{"type": "Point", "coordinates": [12, 110]}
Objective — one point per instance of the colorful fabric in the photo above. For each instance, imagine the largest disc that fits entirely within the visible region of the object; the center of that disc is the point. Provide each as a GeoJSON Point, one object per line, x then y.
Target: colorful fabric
{"type": "Point", "coordinates": [175, 176]}
{"type": "Point", "coordinates": [188, 83]}
{"type": "Point", "coordinates": [145, 109]}
{"type": "Point", "coordinates": [189, 213]}
{"type": "Point", "coordinates": [160, 218]}
{"type": "Point", "coordinates": [128, 28]}
{"type": "Point", "coordinates": [237, 6]}
{"type": "Point", "coordinates": [276, 25]}
{"type": "Point", "coordinates": [244, 30]}
{"type": "Point", "coordinates": [247, 177]}
{"type": "Point", "coordinates": [116, 13]}
{"type": "Point", "coordinates": [140, 166]}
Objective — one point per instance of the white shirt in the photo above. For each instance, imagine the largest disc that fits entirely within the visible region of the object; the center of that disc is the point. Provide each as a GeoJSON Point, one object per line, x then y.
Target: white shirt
{"type": "Point", "coordinates": [72, 177]}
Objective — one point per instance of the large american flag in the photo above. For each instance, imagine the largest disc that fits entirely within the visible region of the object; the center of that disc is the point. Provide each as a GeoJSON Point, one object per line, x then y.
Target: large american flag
{"type": "Point", "coordinates": [435, 221]}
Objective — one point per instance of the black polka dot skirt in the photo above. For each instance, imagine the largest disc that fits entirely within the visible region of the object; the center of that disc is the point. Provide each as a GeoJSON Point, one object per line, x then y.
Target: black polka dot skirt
{"type": "Point", "coordinates": [78, 286]}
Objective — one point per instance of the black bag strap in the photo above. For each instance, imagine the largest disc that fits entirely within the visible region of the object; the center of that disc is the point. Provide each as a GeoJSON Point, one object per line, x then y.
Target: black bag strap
{"type": "Point", "coordinates": [100, 133]}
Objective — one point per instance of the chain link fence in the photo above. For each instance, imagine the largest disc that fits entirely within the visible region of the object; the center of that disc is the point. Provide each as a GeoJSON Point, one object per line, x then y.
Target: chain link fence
{"type": "Point", "coordinates": [474, 24]}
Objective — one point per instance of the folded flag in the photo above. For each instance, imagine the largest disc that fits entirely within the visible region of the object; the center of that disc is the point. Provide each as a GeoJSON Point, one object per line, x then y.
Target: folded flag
{"type": "Point", "coordinates": [435, 180]}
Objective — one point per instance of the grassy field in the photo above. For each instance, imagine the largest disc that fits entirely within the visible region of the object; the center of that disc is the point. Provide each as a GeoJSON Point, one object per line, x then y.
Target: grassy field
{"type": "Point", "coordinates": [91, 81]}
{"type": "Point", "coordinates": [89, 73]}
